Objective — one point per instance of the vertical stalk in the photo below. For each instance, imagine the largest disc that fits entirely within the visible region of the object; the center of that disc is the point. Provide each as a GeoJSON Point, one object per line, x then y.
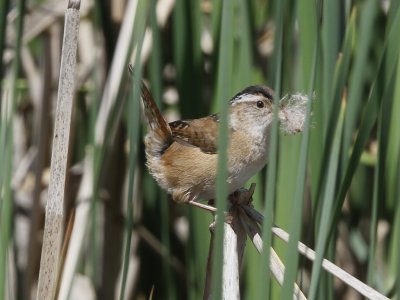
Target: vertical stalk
{"type": "Point", "coordinates": [270, 191]}
{"type": "Point", "coordinates": [234, 241]}
{"type": "Point", "coordinates": [55, 206]}
{"type": "Point", "coordinates": [7, 110]}
{"type": "Point", "coordinates": [224, 81]}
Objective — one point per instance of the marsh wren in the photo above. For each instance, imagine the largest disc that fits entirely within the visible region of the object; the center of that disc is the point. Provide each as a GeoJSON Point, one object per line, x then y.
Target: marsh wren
{"type": "Point", "coordinates": [182, 155]}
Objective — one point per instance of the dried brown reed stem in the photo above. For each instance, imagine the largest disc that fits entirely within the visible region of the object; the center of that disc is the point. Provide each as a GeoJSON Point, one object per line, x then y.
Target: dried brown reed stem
{"type": "Point", "coordinates": [276, 266]}
{"type": "Point", "coordinates": [54, 207]}
{"type": "Point", "coordinates": [233, 247]}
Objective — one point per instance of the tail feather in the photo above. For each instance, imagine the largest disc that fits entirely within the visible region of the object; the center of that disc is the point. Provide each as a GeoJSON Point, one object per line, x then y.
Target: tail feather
{"type": "Point", "coordinates": [159, 137]}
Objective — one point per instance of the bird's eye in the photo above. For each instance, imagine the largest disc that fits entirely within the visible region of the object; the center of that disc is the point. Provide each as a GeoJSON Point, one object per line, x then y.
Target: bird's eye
{"type": "Point", "coordinates": [260, 104]}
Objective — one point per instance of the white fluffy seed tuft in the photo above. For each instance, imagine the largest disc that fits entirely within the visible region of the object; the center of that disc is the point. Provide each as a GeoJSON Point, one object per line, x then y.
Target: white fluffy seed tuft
{"type": "Point", "coordinates": [292, 113]}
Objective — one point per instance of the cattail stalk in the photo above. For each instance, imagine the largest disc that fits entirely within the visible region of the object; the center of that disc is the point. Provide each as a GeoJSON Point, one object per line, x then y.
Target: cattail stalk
{"type": "Point", "coordinates": [54, 207]}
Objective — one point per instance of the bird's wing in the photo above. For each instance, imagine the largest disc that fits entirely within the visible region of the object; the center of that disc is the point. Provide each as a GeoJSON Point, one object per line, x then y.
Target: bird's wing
{"type": "Point", "coordinates": [201, 133]}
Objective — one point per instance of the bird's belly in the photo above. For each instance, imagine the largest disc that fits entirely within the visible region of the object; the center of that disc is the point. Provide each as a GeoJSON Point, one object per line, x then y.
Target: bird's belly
{"type": "Point", "coordinates": [238, 175]}
{"type": "Point", "coordinates": [191, 174]}
{"type": "Point", "coordinates": [241, 174]}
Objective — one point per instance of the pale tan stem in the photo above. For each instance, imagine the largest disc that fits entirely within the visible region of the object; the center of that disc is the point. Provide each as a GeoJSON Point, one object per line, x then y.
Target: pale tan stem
{"type": "Point", "coordinates": [54, 207]}
{"type": "Point", "coordinates": [339, 273]}
{"type": "Point", "coordinates": [276, 266]}
{"type": "Point", "coordinates": [233, 248]}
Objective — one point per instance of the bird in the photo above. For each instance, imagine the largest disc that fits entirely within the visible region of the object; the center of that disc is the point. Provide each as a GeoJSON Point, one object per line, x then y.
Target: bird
{"type": "Point", "coordinates": [182, 155]}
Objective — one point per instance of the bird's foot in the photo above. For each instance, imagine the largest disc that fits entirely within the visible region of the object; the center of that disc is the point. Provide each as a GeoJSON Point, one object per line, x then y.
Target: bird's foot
{"type": "Point", "coordinates": [242, 196]}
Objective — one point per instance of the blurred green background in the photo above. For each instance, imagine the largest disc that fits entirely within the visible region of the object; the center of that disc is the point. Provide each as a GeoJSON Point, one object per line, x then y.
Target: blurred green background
{"type": "Point", "coordinates": [338, 192]}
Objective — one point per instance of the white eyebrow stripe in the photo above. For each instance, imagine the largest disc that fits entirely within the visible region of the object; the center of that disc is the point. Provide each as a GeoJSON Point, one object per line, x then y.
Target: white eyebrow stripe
{"type": "Point", "coordinates": [245, 98]}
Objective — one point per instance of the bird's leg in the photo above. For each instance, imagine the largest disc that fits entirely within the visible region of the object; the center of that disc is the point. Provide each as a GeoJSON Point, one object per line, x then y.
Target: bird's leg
{"type": "Point", "coordinates": [240, 196]}
{"type": "Point", "coordinates": [203, 206]}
